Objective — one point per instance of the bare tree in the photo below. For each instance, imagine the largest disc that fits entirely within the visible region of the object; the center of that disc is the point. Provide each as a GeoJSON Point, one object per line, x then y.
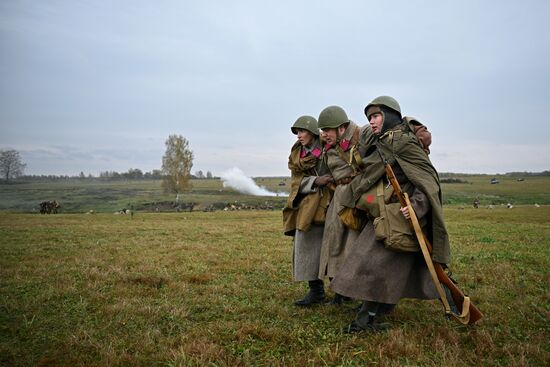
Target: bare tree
{"type": "Point", "coordinates": [176, 165]}
{"type": "Point", "coordinates": [208, 174]}
{"type": "Point", "coordinates": [10, 164]}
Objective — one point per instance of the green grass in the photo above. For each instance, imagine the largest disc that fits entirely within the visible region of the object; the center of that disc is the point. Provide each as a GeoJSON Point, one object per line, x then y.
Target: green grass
{"type": "Point", "coordinates": [196, 289]}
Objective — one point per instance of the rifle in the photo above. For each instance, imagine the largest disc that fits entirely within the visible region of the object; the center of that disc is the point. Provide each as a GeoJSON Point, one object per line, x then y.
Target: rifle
{"type": "Point", "coordinates": [464, 311]}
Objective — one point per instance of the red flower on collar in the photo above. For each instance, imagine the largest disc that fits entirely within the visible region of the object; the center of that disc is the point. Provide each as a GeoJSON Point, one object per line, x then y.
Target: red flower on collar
{"type": "Point", "coordinates": [316, 152]}
{"type": "Point", "coordinates": [344, 144]}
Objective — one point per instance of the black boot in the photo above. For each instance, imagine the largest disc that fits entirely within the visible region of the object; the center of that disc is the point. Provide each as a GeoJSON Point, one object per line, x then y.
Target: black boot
{"type": "Point", "coordinates": [366, 319]}
{"type": "Point", "coordinates": [315, 295]}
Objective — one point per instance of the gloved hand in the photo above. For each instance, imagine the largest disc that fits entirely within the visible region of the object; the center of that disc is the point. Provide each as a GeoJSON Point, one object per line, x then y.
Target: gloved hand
{"type": "Point", "coordinates": [321, 181]}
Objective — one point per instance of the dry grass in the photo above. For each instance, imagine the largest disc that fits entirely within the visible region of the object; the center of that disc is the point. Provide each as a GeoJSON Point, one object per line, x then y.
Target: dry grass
{"type": "Point", "coordinates": [200, 289]}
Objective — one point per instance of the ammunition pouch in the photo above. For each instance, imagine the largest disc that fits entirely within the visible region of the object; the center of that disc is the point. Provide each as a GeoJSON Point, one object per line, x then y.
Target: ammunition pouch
{"type": "Point", "coordinates": [352, 218]}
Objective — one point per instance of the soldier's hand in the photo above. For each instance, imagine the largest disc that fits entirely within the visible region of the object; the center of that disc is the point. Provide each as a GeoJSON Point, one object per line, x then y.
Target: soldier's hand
{"type": "Point", "coordinates": [405, 212]}
{"type": "Point", "coordinates": [323, 180]}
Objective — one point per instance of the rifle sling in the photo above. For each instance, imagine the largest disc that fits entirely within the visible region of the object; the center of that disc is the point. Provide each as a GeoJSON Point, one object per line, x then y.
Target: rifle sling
{"type": "Point", "coordinates": [426, 254]}
{"type": "Point", "coordinates": [464, 317]}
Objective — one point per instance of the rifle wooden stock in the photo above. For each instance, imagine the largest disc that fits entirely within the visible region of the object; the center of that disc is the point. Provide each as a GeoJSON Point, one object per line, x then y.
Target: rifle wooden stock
{"type": "Point", "coordinates": [457, 295]}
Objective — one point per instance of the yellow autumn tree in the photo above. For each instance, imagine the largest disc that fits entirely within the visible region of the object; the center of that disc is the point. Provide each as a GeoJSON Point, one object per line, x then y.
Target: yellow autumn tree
{"type": "Point", "coordinates": [176, 165]}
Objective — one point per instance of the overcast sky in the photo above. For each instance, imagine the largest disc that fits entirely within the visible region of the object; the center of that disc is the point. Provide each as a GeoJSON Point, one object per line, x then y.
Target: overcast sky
{"type": "Point", "coordinates": [99, 85]}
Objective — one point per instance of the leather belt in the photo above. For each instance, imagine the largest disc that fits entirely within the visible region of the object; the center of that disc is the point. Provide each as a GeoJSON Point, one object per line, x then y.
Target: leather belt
{"type": "Point", "coordinates": [343, 181]}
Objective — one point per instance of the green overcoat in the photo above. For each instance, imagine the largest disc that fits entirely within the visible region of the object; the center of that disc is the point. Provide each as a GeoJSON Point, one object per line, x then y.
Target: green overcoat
{"type": "Point", "coordinates": [402, 146]}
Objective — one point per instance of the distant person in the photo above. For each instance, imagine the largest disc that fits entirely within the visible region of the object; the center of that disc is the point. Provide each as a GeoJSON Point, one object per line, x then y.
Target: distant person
{"type": "Point", "coordinates": [373, 273]}
{"type": "Point", "coordinates": [476, 203]}
{"type": "Point", "coordinates": [341, 135]}
{"type": "Point", "coordinates": [304, 213]}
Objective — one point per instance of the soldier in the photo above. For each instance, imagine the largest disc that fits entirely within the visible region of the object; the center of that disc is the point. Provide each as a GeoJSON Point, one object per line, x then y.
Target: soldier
{"type": "Point", "coordinates": [304, 213]}
{"type": "Point", "coordinates": [341, 136]}
{"type": "Point", "coordinates": [373, 273]}
{"type": "Point", "coordinates": [55, 206]}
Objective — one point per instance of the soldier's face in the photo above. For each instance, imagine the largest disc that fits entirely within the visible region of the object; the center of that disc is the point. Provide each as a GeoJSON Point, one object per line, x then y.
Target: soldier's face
{"type": "Point", "coordinates": [304, 137]}
{"type": "Point", "coordinates": [331, 136]}
{"type": "Point", "coordinates": [376, 121]}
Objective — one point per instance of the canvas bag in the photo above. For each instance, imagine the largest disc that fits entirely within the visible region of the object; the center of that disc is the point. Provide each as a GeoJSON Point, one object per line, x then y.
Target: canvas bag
{"type": "Point", "coordinates": [311, 209]}
{"type": "Point", "coordinates": [391, 227]}
{"type": "Point", "coordinates": [369, 202]}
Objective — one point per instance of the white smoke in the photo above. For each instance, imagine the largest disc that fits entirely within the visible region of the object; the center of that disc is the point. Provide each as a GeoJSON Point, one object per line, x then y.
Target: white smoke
{"type": "Point", "coordinates": [236, 179]}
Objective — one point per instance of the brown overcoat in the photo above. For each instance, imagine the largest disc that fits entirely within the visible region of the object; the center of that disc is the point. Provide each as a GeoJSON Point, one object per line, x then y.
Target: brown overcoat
{"type": "Point", "coordinates": [306, 204]}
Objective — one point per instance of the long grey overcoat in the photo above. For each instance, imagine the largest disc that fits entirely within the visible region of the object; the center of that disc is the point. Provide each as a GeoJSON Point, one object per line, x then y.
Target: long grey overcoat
{"type": "Point", "coordinates": [373, 273]}
{"type": "Point", "coordinates": [307, 244]}
{"type": "Point", "coordinates": [337, 237]}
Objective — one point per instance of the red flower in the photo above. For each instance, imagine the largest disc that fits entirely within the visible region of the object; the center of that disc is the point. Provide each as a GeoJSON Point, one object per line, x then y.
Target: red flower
{"type": "Point", "coordinates": [344, 144]}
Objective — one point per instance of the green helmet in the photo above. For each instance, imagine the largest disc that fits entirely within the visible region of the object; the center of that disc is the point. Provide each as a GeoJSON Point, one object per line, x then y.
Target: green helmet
{"type": "Point", "coordinates": [307, 123]}
{"type": "Point", "coordinates": [332, 117]}
{"type": "Point", "coordinates": [387, 101]}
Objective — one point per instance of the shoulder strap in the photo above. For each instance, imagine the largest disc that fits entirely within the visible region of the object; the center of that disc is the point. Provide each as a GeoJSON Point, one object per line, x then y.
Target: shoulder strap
{"type": "Point", "coordinates": [352, 154]}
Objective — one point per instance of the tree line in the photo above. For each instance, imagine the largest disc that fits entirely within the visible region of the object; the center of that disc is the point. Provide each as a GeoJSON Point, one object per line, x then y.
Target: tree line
{"type": "Point", "coordinates": [131, 174]}
{"type": "Point", "coordinates": [175, 173]}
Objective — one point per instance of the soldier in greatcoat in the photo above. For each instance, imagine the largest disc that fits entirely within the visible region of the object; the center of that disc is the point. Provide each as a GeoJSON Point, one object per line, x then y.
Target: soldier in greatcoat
{"type": "Point", "coordinates": [377, 275]}
{"type": "Point", "coordinates": [341, 135]}
{"type": "Point", "coordinates": [304, 213]}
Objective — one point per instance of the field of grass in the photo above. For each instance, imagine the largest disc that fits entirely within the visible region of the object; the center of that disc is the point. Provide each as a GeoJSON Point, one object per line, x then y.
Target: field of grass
{"type": "Point", "coordinates": [80, 196]}
{"type": "Point", "coordinates": [534, 189]}
{"type": "Point", "coordinates": [77, 196]}
{"type": "Point", "coordinates": [198, 289]}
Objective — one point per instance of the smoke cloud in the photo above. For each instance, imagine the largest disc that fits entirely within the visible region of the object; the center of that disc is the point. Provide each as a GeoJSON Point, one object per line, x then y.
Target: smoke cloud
{"type": "Point", "coordinates": [236, 179]}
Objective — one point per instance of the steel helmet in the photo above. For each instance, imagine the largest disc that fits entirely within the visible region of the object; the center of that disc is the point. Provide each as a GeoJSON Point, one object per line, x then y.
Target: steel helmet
{"type": "Point", "coordinates": [332, 117]}
{"type": "Point", "coordinates": [387, 101]}
{"type": "Point", "coordinates": [305, 122]}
